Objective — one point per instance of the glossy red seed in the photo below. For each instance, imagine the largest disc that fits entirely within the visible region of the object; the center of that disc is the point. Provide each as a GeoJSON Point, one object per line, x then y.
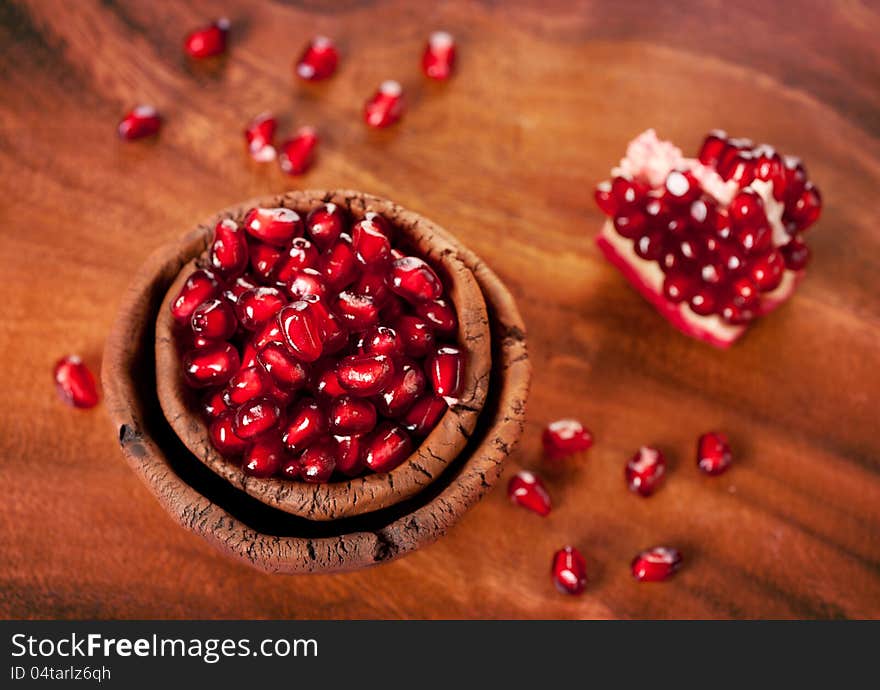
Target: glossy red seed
{"type": "Point", "coordinates": [296, 155]}
{"type": "Point", "coordinates": [307, 281]}
{"type": "Point", "coordinates": [263, 458]}
{"type": "Point", "coordinates": [747, 209]}
{"type": "Point", "coordinates": [349, 455]}
{"type": "Point", "coordinates": [766, 270]}
{"type": "Point", "coordinates": [645, 470]}
{"type": "Point", "coordinates": [385, 107]}
{"type": "Point", "coordinates": [214, 320]}
{"type": "Point", "coordinates": [318, 462]}
{"type": "Point", "coordinates": [290, 469]}
{"type": "Point", "coordinates": [246, 384]}
{"type": "Point", "coordinates": [256, 417]}
{"type": "Point", "coordinates": [249, 354]}
{"type": "Point", "coordinates": [565, 437]}
{"type": "Point", "coordinates": [210, 366]}
{"type": "Point", "coordinates": [276, 226]}
{"type": "Point", "coordinates": [349, 415]}
{"type": "Point", "coordinates": [75, 383]}
{"type": "Point", "coordinates": [325, 223]}
{"type": "Point", "coordinates": [805, 209]}
{"type": "Point", "coordinates": [424, 415]}
{"type": "Point", "coordinates": [742, 301]}
{"type": "Point", "coordinates": [403, 389]}
{"type": "Point", "coordinates": [139, 122]}
{"type": "Point", "coordinates": [754, 239]}
{"type": "Point", "coordinates": [796, 255]}
{"type": "Point", "coordinates": [527, 490]}
{"type": "Point", "coordinates": [739, 168]}
{"type": "Point", "coordinates": [263, 259]}
{"type": "Point", "coordinates": [223, 438]}
{"type": "Point", "coordinates": [446, 368]}
{"type": "Point", "coordinates": [238, 287]}
{"type": "Point", "coordinates": [336, 334]}
{"type": "Point", "coordinates": [365, 375]}
{"type": "Point", "coordinates": [302, 331]}
{"type": "Point", "coordinates": [229, 250]}
{"type": "Point", "coordinates": [387, 447]}
{"type": "Point", "coordinates": [438, 59]}
{"type": "Point", "coordinates": [318, 60]}
{"type": "Point", "coordinates": [260, 136]}
{"type": "Point", "coordinates": [704, 300]}
{"type": "Point", "coordinates": [679, 286]}
{"type": "Point", "coordinates": [199, 287]}
{"type": "Point", "coordinates": [795, 175]}
{"type": "Point", "coordinates": [258, 305]}
{"type": "Point", "coordinates": [650, 246]}
{"type": "Point", "coordinates": [414, 280]}
{"type": "Point", "coordinates": [769, 168]}
{"type": "Point", "coordinates": [306, 424]}
{"type": "Point", "coordinates": [286, 370]}
{"type": "Point", "coordinates": [656, 564]}
{"type": "Point", "coordinates": [682, 187]}
{"type": "Point", "coordinates": [569, 571]}
{"type": "Point", "coordinates": [605, 199]}
{"type": "Point", "coordinates": [702, 215]}
{"type": "Point", "coordinates": [270, 332]}
{"type": "Point", "coordinates": [416, 335]}
{"type": "Point", "coordinates": [214, 405]}
{"type": "Point", "coordinates": [339, 265]}
{"type": "Point", "coordinates": [628, 193]}
{"type": "Point", "coordinates": [325, 382]}
{"type": "Point", "coordinates": [713, 453]}
{"type": "Point", "coordinates": [357, 311]}
{"type": "Point", "coordinates": [440, 315]}
{"type": "Point", "coordinates": [381, 340]}
{"type": "Point", "coordinates": [370, 242]}
{"type": "Point", "coordinates": [712, 147]}
{"type": "Point", "coordinates": [207, 41]}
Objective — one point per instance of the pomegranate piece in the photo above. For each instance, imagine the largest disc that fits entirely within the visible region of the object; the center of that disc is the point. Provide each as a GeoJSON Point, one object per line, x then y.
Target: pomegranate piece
{"type": "Point", "coordinates": [207, 41]}
{"type": "Point", "coordinates": [440, 315]}
{"type": "Point", "coordinates": [276, 226]}
{"type": "Point", "coordinates": [404, 388]}
{"type": "Point", "coordinates": [656, 564]}
{"type": "Point", "coordinates": [424, 415]}
{"type": "Point", "coordinates": [325, 223]}
{"type": "Point", "coordinates": [75, 383]}
{"type": "Point", "coordinates": [246, 384]}
{"type": "Point", "coordinates": [350, 415]}
{"type": "Point", "coordinates": [446, 368]}
{"type": "Point", "coordinates": [438, 60]}
{"type": "Point", "coordinates": [257, 306]}
{"type": "Point", "coordinates": [387, 447]}
{"type": "Point", "coordinates": [527, 490]}
{"type": "Point", "coordinates": [645, 470]}
{"type": "Point", "coordinates": [565, 437]}
{"type": "Point", "coordinates": [381, 340]}
{"type": "Point", "coordinates": [306, 425]}
{"type": "Point", "coordinates": [256, 417]}
{"type": "Point", "coordinates": [318, 60]}
{"type": "Point", "coordinates": [210, 366]}
{"type": "Point", "coordinates": [349, 455]}
{"type": "Point", "coordinates": [263, 458]}
{"type": "Point", "coordinates": [229, 251]}
{"type": "Point", "coordinates": [139, 122]}
{"type": "Point", "coordinates": [569, 571]}
{"type": "Point", "coordinates": [260, 136]}
{"type": "Point", "coordinates": [318, 462]}
{"type": "Point", "coordinates": [296, 155]}
{"type": "Point", "coordinates": [285, 370]}
{"type": "Point", "coordinates": [364, 375]}
{"type": "Point", "coordinates": [223, 437]}
{"type": "Point", "coordinates": [301, 326]}
{"type": "Point", "coordinates": [370, 241]}
{"type": "Point", "coordinates": [713, 453]}
{"type": "Point", "coordinates": [415, 334]}
{"type": "Point", "coordinates": [199, 287]}
{"type": "Point", "coordinates": [214, 320]}
{"type": "Point", "coordinates": [384, 107]}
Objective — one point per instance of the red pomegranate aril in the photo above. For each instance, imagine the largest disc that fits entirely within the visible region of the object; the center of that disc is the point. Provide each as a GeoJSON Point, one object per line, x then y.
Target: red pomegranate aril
{"type": "Point", "coordinates": [527, 490]}
{"type": "Point", "coordinates": [679, 286]}
{"type": "Point", "coordinates": [237, 288]}
{"type": "Point", "coordinates": [656, 564]}
{"type": "Point", "coordinates": [565, 437]}
{"type": "Point", "coordinates": [349, 455]}
{"type": "Point", "coordinates": [387, 447]}
{"type": "Point", "coordinates": [630, 224]}
{"type": "Point", "coordinates": [276, 226]}
{"type": "Point", "coordinates": [349, 415]}
{"type": "Point", "coordinates": [424, 415]}
{"type": "Point", "coordinates": [796, 254]}
{"type": "Point", "coordinates": [365, 375]}
{"type": "Point", "coordinates": [318, 462]}
{"type": "Point", "coordinates": [306, 424]}
{"type": "Point", "coordinates": [258, 305]}
{"type": "Point", "coordinates": [213, 404]}
{"type": "Point", "coordinates": [381, 340]}
{"type": "Point", "coordinates": [229, 251]}
{"type": "Point", "coordinates": [302, 254]}
{"type": "Point", "coordinates": [370, 242]}
{"type": "Point", "coordinates": [713, 145]}
{"type": "Point", "coordinates": [414, 280]}
{"type": "Point", "coordinates": [392, 309]}
{"type": "Point", "coordinates": [199, 287]}
{"type": "Point", "coordinates": [260, 135]}
{"type": "Point", "coordinates": [741, 302]}
{"type": "Point", "coordinates": [318, 60]}
{"type": "Point", "coordinates": [249, 354]}
{"type": "Point", "coordinates": [650, 246]}
{"type": "Point", "coordinates": [730, 256]}
{"type": "Point", "coordinates": [682, 187]}
{"type": "Point", "coordinates": [336, 335]}
{"type": "Point", "coordinates": [307, 281]}
{"type": "Point", "coordinates": [569, 571]}
{"type": "Point", "coordinates": [747, 209]}
{"type": "Point", "coordinates": [384, 107]}
{"type": "Point", "coordinates": [256, 417]}
{"type": "Point", "coordinates": [645, 470]}
{"type": "Point", "coordinates": [296, 155]}
{"type": "Point", "coordinates": [713, 453]}
{"type": "Point", "coordinates": [263, 458]}
{"type": "Point", "coordinates": [712, 271]}
{"type": "Point", "coordinates": [404, 388]}
{"type": "Point", "coordinates": [769, 168]}
{"type": "Point", "coordinates": [290, 469]}
{"type": "Point", "coordinates": [325, 223]}
{"type": "Point", "coordinates": [605, 199]}
{"type": "Point", "coordinates": [357, 311]}
{"type": "Point", "coordinates": [628, 193]}
{"type": "Point", "coordinates": [440, 315]}
{"type": "Point", "coordinates": [270, 332]}
{"type": "Point", "coordinates": [75, 383]}
{"type": "Point", "coordinates": [704, 300]}
{"type": "Point", "coordinates": [339, 265]}
{"type": "Point", "coordinates": [805, 209]}
{"type": "Point", "coordinates": [739, 168]}
{"type": "Point", "coordinates": [207, 41]}
{"type": "Point", "coordinates": [702, 215]}
{"type": "Point", "coordinates": [286, 370]}
{"type": "Point", "coordinates": [795, 177]}
{"type": "Point", "coordinates": [210, 366]}
{"type": "Point", "coordinates": [223, 437]}
{"type": "Point", "coordinates": [438, 60]}
{"type": "Point", "coordinates": [140, 122]}
{"type": "Point", "coordinates": [302, 331]}
{"type": "Point", "coordinates": [446, 367]}
{"type": "Point", "coordinates": [325, 382]}
{"type": "Point", "coordinates": [754, 238]}
{"type": "Point", "coordinates": [415, 334]}
{"type": "Point", "coordinates": [767, 270]}
{"type": "Point", "coordinates": [214, 319]}
{"type": "Point", "coordinates": [264, 258]}
{"type": "Point", "coordinates": [246, 384]}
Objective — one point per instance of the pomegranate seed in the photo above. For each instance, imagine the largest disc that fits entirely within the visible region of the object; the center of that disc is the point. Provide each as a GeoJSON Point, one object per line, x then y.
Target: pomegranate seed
{"type": "Point", "coordinates": [325, 382]}
{"type": "Point", "coordinates": [656, 564]}
{"type": "Point", "coordinates": [385, 106]}
{"type": "Point", "coordinates": [139, 122]}
{"type": "Point", "coordinates": [747, 209]}
{"type": "Point", "coordinates": [424, 415]}
{"type": "Point", "coordinates": [269, 333]}
{"type": "Point", "coordinates": [754, 239]}
{"type": "Point", "coordinates": [440, 315]}
{"type": "Point", "coordinates": [307, 423]}
{"type": "Point", "coordinates": [335, 334]}
{"type": "Point", "coordinates": [446, 367]}
{"type": "Point", "coordinates": [415, 334]}
{"type": "Point", "coordinates": [207, 41]}
{"type": "Point", "coordinates": [260, 135]}
{"type": "Point", "coordinates": [370, 242]}
{"type": "Point", "coordinates": [199, 287]}
{"type": "Point", "coordinates": [75, 383]}
{"type": "Point", "coordinates": [210, 366]}
{"type": "Point", "coordinates": [237, 288]}
{"type": "Point", "coordinates": [414, 280]}
{"type": "Point", "coordinates": [291, 469]}
{"type": "Point", "coordinates": [405, 387]}
{"type": "Point", "coordinates": [438, 60]}
{"type": "Point", "coordinates": [741, 303]}
{"type": "Point", "coordinates": [569, 571]}
{"type": "Point", "coordinates": [713, 271]}
{"type": "Point", "coordinates": [766, 270]}
{"type": "Point", "coordinates": [249, 355]}
{"type": "Point", "coordinates": [565, 437]}
{"type": "Point", "coordinates": [527, 490]}
{"type": "Point", "coordinates": [350, 415]}
{"type": "Point", "coordinates": [630, 224]}
{"type": "Point", "coordinates": [301, 327]}
{"type": "Point", "coordinates": [264, 258]}
{"type": "Point", "coordinates": [733, 148]}
{"type": "Point", "coordinates": [246, 384]}
{"type": "Point", "coordinates": [703, 215]}
{"type": "Point", "coordinates": [795, 177]}
{"type": "Point", "coordinates": [805, 209]}
{"type": "Point", "coordinates": [682, 187]}
{"type": "Point", "coordinates": [318, 462]}
{"type": "Point", "coordinates": [605, 199]}
{"type": "Point", "coordinates": [364, 375]}
{"type": "Point", "coordinates": [349, 456]}
{"type": "Point", "coordinates": [339, 264]}
{"type": "Point", "coordinates": [223, 438]}
{"type": "Point", "coordinates": [392, 309]}
{"type": "Point", "coordinates": [301, 255]}
{"type": "Point", "coordinates": [214, 319]}
{"type": "Point", "coordinates": [627, 192]}
{"type": "Point", "coordinates": [703, 301]}
{"type": "Point", "coordinates": [387, 447]}
{"type": "Point", "coordinates": [307, 281]}
{"type": "Point", "coordinates": [318, 60]}
{"type": "Point", "coordinates": [678, 286]}
{"type": "Point", "coordinates": [276, 226]}
{"type": "Point", "coordinates": [739, 168]}
{"type": "Point", "coordinates": [229, 251]}
{"type": "Point", "coordinates": [213, 405]}
{"type": "Point", "coordinates": [769, 167]}
{"type": "Point", "coordinates": [713, 145]}
{"type": "Point", "coordinates": [295, 155]}
{"type": "Point", "coordinates": [730, 257]}
{"type": "Point", "coordinates": [282, 367]}
{"type": "Point", "coordinates": [256, 417]}
{"type": "Point", "coordinates": [357, 311]}
{"type": "Point", "coordinates": [325, 223]}
{"type": "Point", "coordinates": [381, 340]}
{"type": "Point", "coordinates": [257, 305]}
{"type": "Point", "coordinates": [796, 254]}
{"type": "Point", "coordinates": [650, 246]}
{"type": "Point", "coordinates": [263, 458]}
{"type": "Point", "coordinates": [713, 453]}
{"type": "Point", "coordinates": [645, 471]}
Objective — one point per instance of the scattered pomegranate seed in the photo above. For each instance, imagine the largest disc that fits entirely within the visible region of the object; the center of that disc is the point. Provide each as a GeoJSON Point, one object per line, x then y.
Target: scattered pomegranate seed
{"type": "Point", "coordinates": [260, 135]}
{"type": "Point", "coordinates": [381, 340]}
{"type": "Point", "coordinates": [713, 453]}
{"type": "Point", "coordinates": [325, 382]}
{"type": "Point", "coordinates": [318, 60]}
{"type": "Point", "coordinates": [210, 366]}
{"type": "Point", "coordinates": [325, 223]}
{"type": "Point", "coordinates": [387, 447]}
{"type": "Point", "coordinates": [229, 251]}
{"type": "Point", "coordinates": [446, 367]}
{"type": "Point", "coordinates": [357, 311]}
{"type": "Point", "coordinates": [263, 259]}
{"type": "Point", "coordinates": [656, 564]}
{"type": "Point", "coordinates": [385, 106]}
{"type": "Point", "coordinates": [645, 471]}
{"type": "Point", "coordinates": [139, 122]}
{"type": "Point", "coordinates": [75, 383]}
{"type": "Point", "coordinates": [527, 490]}
{"type": "Point", "coordinates": [318, 462]}
{"type": "Point", "coordinates": [199, 287]}
{"type": "Point", "coordinates": [424, 415]}
{"type": "Point", "coordinates": [339, 264]}
{"type": "Point", "coordinates": [414, 280]}
{"type": "Point", "coordinates": [295, 155]}
{"type": "Point", "coordinates": [565, 437]}
{"type": "Point", "coordinates": [223, 438]}
{"type": "Point", "coordinates": [207, 41]}
{"type": "Point", "coordinates": [263, 458]}
{"type": "Point", "coordinates": [569, 571]}
{"type": "Point", "coordinates": [438, 60]}
{"type": "Point", "coordinates": [370, 242]}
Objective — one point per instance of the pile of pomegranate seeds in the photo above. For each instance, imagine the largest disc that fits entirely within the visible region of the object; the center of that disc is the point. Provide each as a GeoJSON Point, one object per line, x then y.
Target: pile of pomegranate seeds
{"type": "Point", "coordinates": [207, 41]}
{"type": "Point", "coordinates": [139, 122]}
{"type": "Point", "coordinates": [75, 383]}
{"type": "Point", "coordinates": [565, 437]}
{"type": "Point", "coordinates": [320, 349]}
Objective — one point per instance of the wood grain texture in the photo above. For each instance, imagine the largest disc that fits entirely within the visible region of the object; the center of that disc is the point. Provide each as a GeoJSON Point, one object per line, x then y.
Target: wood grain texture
{"type": "Point", "coordinates": [505, 156]}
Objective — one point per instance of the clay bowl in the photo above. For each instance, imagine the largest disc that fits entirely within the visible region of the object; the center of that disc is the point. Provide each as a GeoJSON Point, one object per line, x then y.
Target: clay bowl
{"type": "Point", "coordinates": [267, 538]}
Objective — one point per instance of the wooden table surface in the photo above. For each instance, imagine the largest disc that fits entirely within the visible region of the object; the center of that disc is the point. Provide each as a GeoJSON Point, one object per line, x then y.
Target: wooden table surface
{"type": "Point", "coordinates": [505, 156]}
